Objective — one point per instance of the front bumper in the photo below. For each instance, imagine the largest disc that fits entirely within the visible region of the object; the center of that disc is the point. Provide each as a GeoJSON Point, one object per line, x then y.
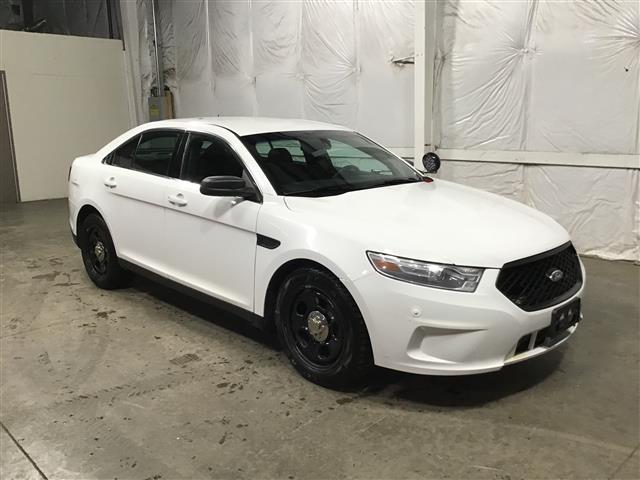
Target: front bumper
{"type": "Point", "coordinates": [425, 330]}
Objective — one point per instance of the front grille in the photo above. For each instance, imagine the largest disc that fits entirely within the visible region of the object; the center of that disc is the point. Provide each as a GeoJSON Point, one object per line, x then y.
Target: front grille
{"type": "Point", "coordinates": [526, 282]}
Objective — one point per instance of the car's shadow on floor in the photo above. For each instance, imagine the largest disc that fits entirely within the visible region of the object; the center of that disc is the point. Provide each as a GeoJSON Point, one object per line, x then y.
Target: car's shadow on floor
{"type": "Point", "coordinates": [385, 386]}
{"type": "Point", "coordinates": [461, 391]}
{"type": "Point", "coordinates": [204, 311]}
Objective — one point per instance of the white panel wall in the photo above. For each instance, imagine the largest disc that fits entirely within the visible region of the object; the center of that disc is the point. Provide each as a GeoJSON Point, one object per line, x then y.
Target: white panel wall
{"type": "Point", "coordinates": [67, 97]}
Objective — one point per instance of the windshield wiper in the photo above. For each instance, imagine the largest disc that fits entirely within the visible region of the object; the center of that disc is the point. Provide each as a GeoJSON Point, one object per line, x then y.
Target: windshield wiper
{"type": "Point", "coordinates": [343, 188]}
{"type": "Point", "coordinates": [321, 191]}
{"type": "Point", "coordinates": [394, 181]}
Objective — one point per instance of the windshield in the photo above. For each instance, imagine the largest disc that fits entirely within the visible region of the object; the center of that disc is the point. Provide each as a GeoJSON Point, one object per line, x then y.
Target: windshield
{"type": "Point", "coordinates": [320, 162]}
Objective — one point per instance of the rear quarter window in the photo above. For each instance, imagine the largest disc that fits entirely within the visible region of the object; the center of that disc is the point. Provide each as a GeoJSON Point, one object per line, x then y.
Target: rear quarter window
{"type": "Point", "coordinates": [123, 156]}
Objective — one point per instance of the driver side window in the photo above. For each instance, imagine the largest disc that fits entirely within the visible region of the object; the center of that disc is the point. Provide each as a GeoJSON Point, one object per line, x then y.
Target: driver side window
{"type": "Point", "coordinates": [208, 156]}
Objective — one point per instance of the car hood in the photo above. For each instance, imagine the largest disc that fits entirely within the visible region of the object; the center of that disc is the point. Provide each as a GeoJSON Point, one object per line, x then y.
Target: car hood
{"type": "Point", "coordinates": [439, 221]}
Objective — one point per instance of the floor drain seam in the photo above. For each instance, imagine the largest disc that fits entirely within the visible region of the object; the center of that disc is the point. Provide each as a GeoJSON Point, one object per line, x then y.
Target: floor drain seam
{"type": "Point", "coordinates": [24, 452]}
{"type": "Point", "coordinates": [624, 462]}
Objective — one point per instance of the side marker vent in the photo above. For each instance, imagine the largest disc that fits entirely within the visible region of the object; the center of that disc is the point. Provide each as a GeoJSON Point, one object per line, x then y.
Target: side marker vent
{"type": "Point", "coordinates": [268, 242]}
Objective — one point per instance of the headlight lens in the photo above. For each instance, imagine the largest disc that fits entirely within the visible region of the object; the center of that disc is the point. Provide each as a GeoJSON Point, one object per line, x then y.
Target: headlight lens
{"type": "Point", "coordinates": [449, 277]}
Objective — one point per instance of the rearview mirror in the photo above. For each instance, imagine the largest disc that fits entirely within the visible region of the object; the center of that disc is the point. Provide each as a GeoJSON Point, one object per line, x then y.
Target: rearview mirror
{"type": "Point", "coordinates": [226, 186]}
{"type": "Point", "coordinates": [431, 162]}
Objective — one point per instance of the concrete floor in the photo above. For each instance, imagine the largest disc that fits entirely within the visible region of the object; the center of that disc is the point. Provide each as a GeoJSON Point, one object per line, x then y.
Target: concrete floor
{"type": "Point", "coordinates": [145, 383]}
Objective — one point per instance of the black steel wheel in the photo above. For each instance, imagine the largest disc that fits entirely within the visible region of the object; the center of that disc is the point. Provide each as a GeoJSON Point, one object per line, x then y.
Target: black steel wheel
{"type": "Point", "coordinates": [316, 327]}
{"type": "Point", "coordinates": [321, 329]}
{"type": "Point", "coordinates": [99, 254]}
{"type": "Point", "coordinates": [97, 251]}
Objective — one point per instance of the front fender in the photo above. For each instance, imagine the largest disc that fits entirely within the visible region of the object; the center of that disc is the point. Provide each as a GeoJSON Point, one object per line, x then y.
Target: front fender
{"type": "Point", "coordinates": [268, 263]}
{"type": "Point", "coordinates": [344, 257]}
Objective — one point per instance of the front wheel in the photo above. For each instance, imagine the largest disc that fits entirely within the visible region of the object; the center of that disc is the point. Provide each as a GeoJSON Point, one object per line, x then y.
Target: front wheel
{"type": "Point", "coordinates": [99, 254]}
{"type": "Point", "coordinates": [322, 330]}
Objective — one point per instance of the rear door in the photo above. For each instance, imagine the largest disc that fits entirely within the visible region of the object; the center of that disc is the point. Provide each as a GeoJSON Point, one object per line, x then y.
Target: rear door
{"type": "Point", "coordinates": [211, 241]}
{"type": "Point", "coordinates": [135, 179]}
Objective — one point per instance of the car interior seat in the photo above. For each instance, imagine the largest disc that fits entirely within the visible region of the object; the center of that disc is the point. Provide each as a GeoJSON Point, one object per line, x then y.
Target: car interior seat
{"type": "Point", "coordinates": [215, 160]}
{"type": "Point", "coordinates": [281, 165]}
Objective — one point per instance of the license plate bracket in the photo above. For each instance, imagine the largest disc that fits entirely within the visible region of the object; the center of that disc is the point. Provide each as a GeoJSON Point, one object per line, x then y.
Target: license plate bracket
{"type": "Point", "coordinates": [562, 319]}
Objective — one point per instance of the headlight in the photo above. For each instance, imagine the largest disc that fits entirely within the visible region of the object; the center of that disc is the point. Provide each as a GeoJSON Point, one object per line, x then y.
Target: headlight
{"type": "Point", "coordinates": [449, 277]}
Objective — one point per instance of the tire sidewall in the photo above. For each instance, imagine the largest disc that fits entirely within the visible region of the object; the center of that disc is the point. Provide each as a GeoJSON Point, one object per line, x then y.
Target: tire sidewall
{"type": "Point", "coordinates": [111, 277]}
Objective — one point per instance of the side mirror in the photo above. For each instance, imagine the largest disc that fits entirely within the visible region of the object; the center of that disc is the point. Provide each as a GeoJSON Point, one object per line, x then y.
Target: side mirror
{"type": "Point", "coordinates": [225, 186]}
{"type": "Point", "coordinates": [431, 162]}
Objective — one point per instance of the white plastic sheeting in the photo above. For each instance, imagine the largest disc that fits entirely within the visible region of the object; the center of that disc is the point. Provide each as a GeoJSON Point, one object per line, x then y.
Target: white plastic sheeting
{"type": "Point", "coordinates": [534, 75]}
{"type": "Point", "coordinates": [599, 206]}
{"type": "Point", "coordinates": [138, 36]}
{"type": "Point", "coordinates": [540, 76]}
{"type": "Point", "coordinates": [547, 76]}
{"type": "Point", "coordinates": [322, 60]}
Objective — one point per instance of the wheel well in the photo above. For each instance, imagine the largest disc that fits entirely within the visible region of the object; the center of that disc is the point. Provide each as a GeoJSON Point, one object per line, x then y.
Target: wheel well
{"type": "Point", "coordinates": [276, 282]}
{"type": "Point", "coordinates": [84, 212]}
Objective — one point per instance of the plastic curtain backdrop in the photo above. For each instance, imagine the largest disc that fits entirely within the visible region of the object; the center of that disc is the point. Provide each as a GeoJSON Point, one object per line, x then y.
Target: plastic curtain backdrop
{"type": "Point", "coordinates": [522, 76]}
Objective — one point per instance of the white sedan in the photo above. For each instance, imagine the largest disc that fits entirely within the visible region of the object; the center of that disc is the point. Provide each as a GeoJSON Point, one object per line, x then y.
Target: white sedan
{"type": "Point", "coordinates": [353, 256]}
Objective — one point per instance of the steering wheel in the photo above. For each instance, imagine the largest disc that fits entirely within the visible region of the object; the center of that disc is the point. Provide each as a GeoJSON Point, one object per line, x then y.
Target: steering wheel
{"type": "Point", "coordinates": [347, 169]}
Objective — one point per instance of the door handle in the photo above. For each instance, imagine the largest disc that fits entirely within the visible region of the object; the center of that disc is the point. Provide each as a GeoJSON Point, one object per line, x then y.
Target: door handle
{"type": "Point", "coordinates": [110, 182]}
{"type": "Point", "coordinates": [177, 200]}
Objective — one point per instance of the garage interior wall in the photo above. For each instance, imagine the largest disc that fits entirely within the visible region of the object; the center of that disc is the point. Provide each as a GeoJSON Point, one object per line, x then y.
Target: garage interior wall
{"type": "Point", "coordinates": [67, 97]}
{"type": "Point", "coordinates": [521, 78]}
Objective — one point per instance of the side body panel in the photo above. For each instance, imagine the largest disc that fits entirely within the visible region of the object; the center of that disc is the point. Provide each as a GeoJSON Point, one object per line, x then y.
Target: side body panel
{"type": "Point", "coordinates": [211, 242]}
{"type": "Point", "coordinates": [134, 203]}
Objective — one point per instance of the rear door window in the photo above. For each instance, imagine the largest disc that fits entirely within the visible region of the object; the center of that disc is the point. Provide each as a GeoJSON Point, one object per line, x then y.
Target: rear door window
{"type": "Point", "coordinates": [152, 152]}
{"type": "Point", "coordinates": [155, 152]}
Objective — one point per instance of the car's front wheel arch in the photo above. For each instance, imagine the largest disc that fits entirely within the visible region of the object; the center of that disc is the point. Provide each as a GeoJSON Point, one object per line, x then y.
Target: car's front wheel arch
{"type": "Point", "coordinates": [276, 281]}
{"type": "Point", "coordinates": [279, 276]}
{"type": "Point", "coordinates": [342, 349]}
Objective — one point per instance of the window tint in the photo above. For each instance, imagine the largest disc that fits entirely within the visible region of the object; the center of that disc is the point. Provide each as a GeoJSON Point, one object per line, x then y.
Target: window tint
{"type": "Point", "coordinates": [326, 162]}
{"type": "Point", "coordinates": [123, 157]}
{"type": "Point", "coordinates": [208, 156]}
{"type": "Point", "coordinates": [343, 155]}
{"type": "Point", "coordinates": [151, 152]}
{"type": "Point", "coordinates": [155, 151]}
{"type": "Point", "coordinates": [291, 145]}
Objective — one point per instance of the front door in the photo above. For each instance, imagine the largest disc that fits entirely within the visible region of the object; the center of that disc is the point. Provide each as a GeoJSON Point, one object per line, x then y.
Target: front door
{"type": "Point", "coordinates": [211, 241]}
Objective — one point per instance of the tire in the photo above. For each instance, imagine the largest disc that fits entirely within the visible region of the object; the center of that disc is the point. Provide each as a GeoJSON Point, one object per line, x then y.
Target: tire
{"type": "Point", "coordinates": [99, 254]}
{"type": "Point", "coordinates": [322, 330]}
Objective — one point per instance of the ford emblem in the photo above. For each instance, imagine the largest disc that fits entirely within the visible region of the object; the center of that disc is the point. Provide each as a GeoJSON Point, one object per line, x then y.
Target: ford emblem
{"type": "Point", "coordinates": [555, 275]}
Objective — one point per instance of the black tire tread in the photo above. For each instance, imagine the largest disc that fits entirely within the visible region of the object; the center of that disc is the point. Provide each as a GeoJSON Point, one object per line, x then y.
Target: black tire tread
{"type": "Point", "coordinates": [116, 276]}
{"type": "Point", "coordinates": [361, 360]}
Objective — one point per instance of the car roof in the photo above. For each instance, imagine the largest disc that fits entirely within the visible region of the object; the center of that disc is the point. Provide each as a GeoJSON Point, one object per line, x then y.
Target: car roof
{"type": "Point", "coordinates": [249, 125]}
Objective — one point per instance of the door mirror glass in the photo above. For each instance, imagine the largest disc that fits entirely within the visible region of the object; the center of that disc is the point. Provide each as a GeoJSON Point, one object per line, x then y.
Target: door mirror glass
{"type": "Point", "coordinates": [225, 186]}
{"type": "Point", "coordinates": [431, 162]}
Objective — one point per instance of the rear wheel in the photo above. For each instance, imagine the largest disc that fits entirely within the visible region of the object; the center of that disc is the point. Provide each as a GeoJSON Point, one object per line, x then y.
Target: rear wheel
{"type": "Point", "coordinates": [99, 254]}
{"type": "Point", "coordinates": [322, 330]}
